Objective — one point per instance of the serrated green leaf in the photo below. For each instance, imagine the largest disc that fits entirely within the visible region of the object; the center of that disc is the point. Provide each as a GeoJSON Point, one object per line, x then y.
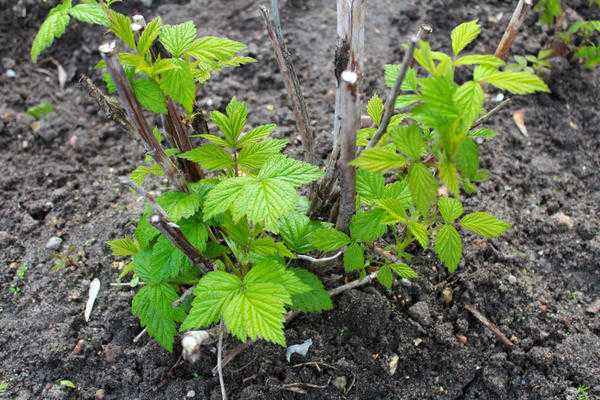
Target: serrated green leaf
{"type": "Point", "coordinates": [149, 35]}
{"type": "Point", "coordinates": [450, 209]}
{"type": "Point", "coordinates": [395, 209]}
{"type": "Point", "coordinates": [144, 231]}
{"type": "Point", "coordinates": [449, 176]}
{"type": "Point", "coordinates": [169, 260]}
{"type": "Point", "coordinates": [223, 195]}
{"type": "Point", "coordinates": [148, 94]}
{"type": "Point", "coordinates": [437, 94]}
{"type": "Point", "coordinates": [379, 159]}
{"type": "Point", "coordinates": [253, 156]}
{"type": "Point", "coordinates": [123, 247]}
{"type": "Point", "coordinates": [153, 306]}
{"type": "Point", "coordinates": [484, 133]}
{"type": "Point", "coordinates": [423, 187]}
{"type": "Point", "coordinates": [328, 239]}
{"type": "Point", "coordinates": [52, 28]}
{"type": "Point", "coordinates": [179, 84]}
{"type": "Point", "coordinates": [516, 82]}
{"type": "Point", "coordinates": [120, 25]}
{"type": "Point", "coordinates": [375, 109]}
{"type": "Point", "coordinates": [257, 134]}
{"type": "Point", "coordinates": [41, 110]}
{"type": "Point", "coordinates": [354, 258]}
{"type": "Point", "coordinates": [237, 113]}
{"type": "Point", "coordinates": [367, 226]}
{"type": "Point", "coordinates": [315, 300]}
{"type": "Point", "coordinates": [469, 98]}
{"type": "Point", "coordinates": [406, 100]}
{"type": "Point", "coordinates": [385, 276]}
{"type": "Point", "coordinates": [392, 71]}
{"type": "Point", "coordinates": [476, 59]}
{"type": "Point", "coordinates": [178, 39]}
{"type": "Point", "coordinates": [484, 224]}
{"type": "Point", "coordinates": [424, 57]}
{"type": "Point", "coordinates": [209, 156]}
{"type": "Point", "coordinates": [92, 13]}
{"type": "Point", "coordinates": [268, 247]}
{"type": "Point", "coordinates": [399, 190]}
{"type": "Point", "coordinates": [138, 175]}
{"type": "Point", "coordinates": [288, 170]}
{"type": "Point", "coordinates": [179, 205]}
{"type": "Point", "coordinates": [419, 231]}
{"type": "Point", "coordinates": [294, 229]}
{"type": "Point", "coordinates": [370, 186]}
{"type": "Point", "coordinates": [408, 140]}
{"type": "Point", "coordinates": [195, 231]}
{"type": "Point", "coordinates": [467, 158]}
{"type": "Point", "coordinates": [448, 247]}
{"type": "Point", "coordinates": [463, 35]}
{"type": "Point", "coordinates": [403, 270]}
{"type": "Point", "coordinates": [211, 49]}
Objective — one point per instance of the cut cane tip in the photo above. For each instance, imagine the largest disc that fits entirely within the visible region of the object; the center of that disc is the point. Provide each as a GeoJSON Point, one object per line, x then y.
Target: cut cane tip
{"type": "Point", "coordinates": [350, 77]}
{"type": "Point", "coordinates": [108, 47]}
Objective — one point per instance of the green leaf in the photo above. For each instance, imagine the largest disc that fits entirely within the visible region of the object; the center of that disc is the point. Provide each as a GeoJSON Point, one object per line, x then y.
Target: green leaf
{"type": "Point", "coordinates": [399, 190]}
{"type": "Point", "coordinates": [385, 276]}
{"type": "Point", "coordinates": [237, 113]}
{"type": "Point", "coordinates": [370, 186]}
{"type": "Point", "coordinates": [209, 156]}
{"type": "Point", "coordinates": [120, 25]}
{"type": "Point", "coordinates": [469, 98]}
{"type": "Point", "coordinates": [268, 247]}
{"type": "Point", "coordinates": [391, 75]}
{"type": "Point", "coordinates": [403, 270]}
{"type": "Point", "coordinates": [424, 57]}
{"type": "Point", "coordinates": [328, 239]}
{"type": "Point", "coordinates": [467, 158]}
{"type": "Point", "coordinates": [195, 231]}
{"type": "Point", "coordinates": [463, 35]}
{"type": "Point", "coordinates": [354, 258]}
{"type": "Point", "coordinates": [144, 231]}
{"type": "Point", "coordinates": [212, 293]}
{"type": "Point", "coordinates": [423, 187]}
{"type": "Point", "coordinates": [153, 306]}
{"type": "Point", "coordinates": [419, 231]}
{"type": "Point", "coordinates": [484, 224]}
{"type": "Point", "coordinates": [92, 13]}
{"type": "Point", "coordinates": [178, 39]}
{"type": "Point", "coordinates": [52, 28]}
{"type": "Point", "coordinates": [256, 135]}
{"type": "Point", "coordinates": [139, 174]}
{"type": "Point", "coordinates": [395, 209]}
{"type": "Point", "coordinates": [476, 59]}
{"type": "Point", "coordinates": [315, 300]}
{"type": "Point", "coordinates": [294, 172]}
{"type": "Point", "coordinates": [448, 246]}
{"type": "Point", "coordinates": [516, 82]}
{"type": "Point", "coordinates": [148, 93]}
{"type": "Point", "coordinates": [149, 35]}
{"type": "Point", "coordinates": [179, 205]}
{"type": "Point", "coordinates": [379, 159]}
{"type": "Point", "coordinates": [549, 10]}
{"type": "Point", "coordinates": [123, 247]}
{"type": "Point", "coordinates": [179, 84]}
{"type": "Point", "coordinates": [212, 49]}
{"type": "Point", "coordinates": [437, 94]}
{"type": "Point", "coordinates": [409, 141]}
{"type": "Point", "coordinates": [222, 196]}
{"type": "Point", "coordinates": [253, 156]}
{"type": "Point", "coordinates": [295, 229]}
{"type": "Point", "coordinates": [406, 100]}
{"type": "Point", "coordinates": [41, 110]}
{"type": "Point", "coordinates": [450, 209]}
{"type": "Point", "coordinates": [449, 176]}
{"type": "Point", "coordinates": [367, 226]}
{"type": "Point", "coordinates": [484, 133]}
{"type": "Point", "coordinates": [375, 109]}
{"type": "Point", "coordinates": [169, 261]}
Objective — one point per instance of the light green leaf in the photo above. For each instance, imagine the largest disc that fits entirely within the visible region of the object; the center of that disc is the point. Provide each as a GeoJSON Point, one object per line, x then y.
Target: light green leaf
{"type": "Point", "coordinates": [516, 82]}
{"type": "Point", "coordinates": [403, 271]}
{"type": "Point", "coordinates": [463, 35]}
{"type": "Point", "coordinates": [268, 247]}
{"type": "Point", "coordinates": [391, 75]}
{"type": "Point", "coordinates": [484, 224]}
{"type": "Point", "coordinates": [315, 300]}
{"type": "Point", "coordinates": [195, 231]}
{"type": "Point", "coordinates": [294, 229]}
{"type": "Point", "coordinates": [287, 169]}
{"type": "Point", "coordinates": [375, 109]}
{"type": "Point", "coordinates": [138, 175]}
{"type": "Point", "coordinates": [222, 196]}
{"type": "Point", "coordinates": [179, 205]}
{"type": "Point", "coordinates": [483, 59]}
{"type": "Point", "coordinates": [52, 28]}
{"type": "Point", "coordinates": [149, 95]}
{"type": "Point", "coordinates": [379, 159]}
{"type": "Point", "coordinates": [467, 158]}
{"type": "Point", "coordinates": [449, 176]}
{"type": "Point", "coordinates": [257, 134]}
{"type": "Point", "coordinates": [123, 247]}
{"type": "Point", "coordinates": [423, 187]}
{"type": "Point", "coordinates": [367, 226]}
{"type": "Point", "coordinates": [179, 84]}
{"type": "Point", "coordinates": [395, 209]}
{"type": "Point", "coordinates": [149, 35]}
{"type": "Point", "coordinates": [469, 98]}
{"type": "Point", "coordinates": [424, 57]}
{"type": "Point", "coordinates": [354, 258]}
{"type": "Point", "coordinates": [120, 25]}
{"type": "Point", "coordinates": [209, 156]}
{"type": "Point", "coordinates": [41, 110]}
{"type": "Point", "coordinates": [370, 186]}
{"type": "Point", "coordinates": [484, 133]}
{"type": "Point", "coordinates": [92, 13]}
{"type": "Point", "coordinates": [211, 49]}
{"type": "Point", "coordinates": [328, 239]}
{"type": "Point", "coordinates": [178, 39]}
{"type": "Point", "coordinates": [253, 156]}
{"type": "Point", "coordinates": [385, 276]}
{"type": "Point", "coordinates": [450, 209]}
{"type": "Point", "coordinates": [237, 114]}
{"type": "Point", "coordinates": [419, 231]}
{"type": "Point", "coordinates": [448, 247]}
{"type": "Point", "coordinates": [409, 141]}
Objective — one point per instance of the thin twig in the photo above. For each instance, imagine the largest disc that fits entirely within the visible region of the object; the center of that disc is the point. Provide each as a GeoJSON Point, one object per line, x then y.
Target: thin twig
{"type": "Point", "coordinates": [140, 335]}
{"type": "Point", "coordinates": [491, 113]}
{"type": "Point", "coordinates": [319, 260]}
{"type": "Point", "coordinates": [219, 361]}
{"type": "Point", "coordinates": [290, 78]}
{"type": "Point", "coordinates": [390, 103]}
{"type": "Point", "coordinates": [188, 292]}
{"type": "Point", "coordinates": [518, 16]}
{"type": "Point", "coordinates": [491, 326]}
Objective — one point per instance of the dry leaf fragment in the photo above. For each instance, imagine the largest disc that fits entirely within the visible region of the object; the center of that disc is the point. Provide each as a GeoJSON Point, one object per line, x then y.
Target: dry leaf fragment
{"type": "Point", "coordinates": [519, 118]}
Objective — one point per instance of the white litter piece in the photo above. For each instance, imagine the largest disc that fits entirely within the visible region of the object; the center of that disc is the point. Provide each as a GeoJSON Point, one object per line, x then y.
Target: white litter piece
{"type": "Point", "coordinates": [301, 349]}
{"type": "Point", "coordinates": [93, 293]}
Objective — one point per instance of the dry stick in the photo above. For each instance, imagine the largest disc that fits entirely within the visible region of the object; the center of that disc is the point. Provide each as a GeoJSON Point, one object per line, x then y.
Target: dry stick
{"type": "Point", "coordinates": [318, 260]}
{"type": "Point", "coordinates": [513, 28]}
{"type": "Point", "coordinates": [188, 292]}
{"type": "Point", "coordinates": [219, 361]}
{"type": "Point", "coordinates": [349, 70]}
{"type": "Point", "coordinates": [292, 314]}
{"type": "Point", "coordinates": [390, 103]}
{"type": "Point", "coordinates": [109, 105]}
{"type": "Point", "coordinates": [290, 78]}
{"type": "Point", "coordinates": [161, 221]}
{"type": "Point", "coordinates": [488, 324]}
{"type": "Point", "coordinates": [136, 116]}
{"type": "Point", "coordinates": [491, 113]}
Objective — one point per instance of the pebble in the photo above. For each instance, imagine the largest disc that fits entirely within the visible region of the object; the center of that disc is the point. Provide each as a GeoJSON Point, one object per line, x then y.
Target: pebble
{"type": "Point", "coordinates": [10, 73]}
{"type": "Point", "coordinates": [420, 312]}
{"type": "Point", "coordinates": [447, 295]}
{"type": "Point", "coordinates": [511, 279]}
{"type": "Point", "coordinates": [54, 243]}
{"type": "Point", "coordinates": [100, 394]}
{"type": "Point", "coordinates": [563, 220]}
{"type": "Point", "coordinates": [190, 394]}
{"type": "Point", "coordinates": [340, 382]}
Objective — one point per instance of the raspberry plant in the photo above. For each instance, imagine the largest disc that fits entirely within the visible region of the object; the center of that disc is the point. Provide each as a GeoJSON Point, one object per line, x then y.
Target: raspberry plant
{"type": "Point", "coordinates": [235, 221]}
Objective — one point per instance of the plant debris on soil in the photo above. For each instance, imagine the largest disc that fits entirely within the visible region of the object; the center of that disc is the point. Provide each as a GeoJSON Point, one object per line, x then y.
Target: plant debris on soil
{"type": "Point", "coordinates": [539, 284]}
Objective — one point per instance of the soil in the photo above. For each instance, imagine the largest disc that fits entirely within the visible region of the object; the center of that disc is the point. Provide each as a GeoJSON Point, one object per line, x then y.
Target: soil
{"type": "Point", "coordinates": [537, 283]}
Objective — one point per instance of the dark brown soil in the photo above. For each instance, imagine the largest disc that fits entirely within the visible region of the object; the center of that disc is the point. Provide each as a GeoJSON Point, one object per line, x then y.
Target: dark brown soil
{"type": "Point", "coordinates": [535, 283]}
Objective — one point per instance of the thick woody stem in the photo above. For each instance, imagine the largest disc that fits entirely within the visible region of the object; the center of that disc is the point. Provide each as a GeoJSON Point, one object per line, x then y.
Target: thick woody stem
{"type": "Point", "coordinates": [349, 69]}
{"type": "Point", "coordinates": [290, 78]}
{"type": "Point", "coordinates": [171, 230]}
{"type": "Point", "coordinates": [391, 100]}
{"type": "Point", "coordinates": [512, 29]}
{"type": "Point", "coordinates": [136, 117]}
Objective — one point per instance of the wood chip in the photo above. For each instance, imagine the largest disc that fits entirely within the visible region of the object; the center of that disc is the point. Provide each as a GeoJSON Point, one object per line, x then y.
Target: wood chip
{"type": "Point", "coordinates": [519, 118]}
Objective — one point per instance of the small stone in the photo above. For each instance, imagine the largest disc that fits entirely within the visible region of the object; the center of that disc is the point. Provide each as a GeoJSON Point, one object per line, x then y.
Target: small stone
{"type": "Point", "coordinates": [563, 220]}
{"type": "Point", "coordinates": [511, 279]}
{"type": "Point", "coordinates": [8, 62]}
{"type": "Point", "coordinates": [340, 382]}
{"type": "Point", "coordinates": [420, 312]}
{"type": "Point", "coordinates": [100, 394]}
{"type": "Point", "coordinates": [393, 363]}
{"type": "Point", "coordinates": [594, 307]}
{"type": "Point", "coordinates": [190, 394]}
{"type": "Point", "coordinates": [10, 73]}
{"type": "Point", "coordinates": [54, 243]}
{"type": "Point", "coordinates": [447, 296]}
{"type": "Point", "coordinates": [79, 346]}
{"type": "Point", "coordinates": [462, 339]}
{"type": "Point", "coordinates": [417, 341]}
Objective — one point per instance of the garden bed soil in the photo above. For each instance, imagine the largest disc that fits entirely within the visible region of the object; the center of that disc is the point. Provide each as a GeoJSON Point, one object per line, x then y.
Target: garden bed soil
{"type": "Point", "coordinates": [537, 283]}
